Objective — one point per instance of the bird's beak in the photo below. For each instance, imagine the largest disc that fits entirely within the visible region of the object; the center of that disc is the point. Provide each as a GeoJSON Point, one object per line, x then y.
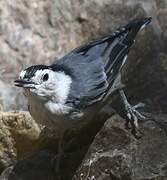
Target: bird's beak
{"type": "Point", "coordinates": [24, 83]}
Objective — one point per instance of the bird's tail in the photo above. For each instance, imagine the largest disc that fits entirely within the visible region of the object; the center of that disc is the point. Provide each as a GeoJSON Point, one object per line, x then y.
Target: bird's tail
{"type": "Point", "coordinates": [119, 45]}
{"type": "Point", "coordinates": [133, 27]}
{"type": "Point", "coordinates": [120, 42]}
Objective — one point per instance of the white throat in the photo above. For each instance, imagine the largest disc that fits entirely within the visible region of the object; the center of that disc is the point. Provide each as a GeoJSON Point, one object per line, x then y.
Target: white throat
{"type": "Point", "coordinates": [62, 87]}
{"type": "Point", "coordinates": [52, 94]}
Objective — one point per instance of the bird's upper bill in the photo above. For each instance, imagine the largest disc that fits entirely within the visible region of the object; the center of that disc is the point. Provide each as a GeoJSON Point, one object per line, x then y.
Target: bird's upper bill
{"type": "Point", "coordinates": [24, 83]}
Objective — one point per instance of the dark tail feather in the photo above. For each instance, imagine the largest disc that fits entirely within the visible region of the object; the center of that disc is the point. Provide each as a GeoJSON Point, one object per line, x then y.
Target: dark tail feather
{"type": "Point", "coordinates": [133, 27]}
{"type": "Point", "coordinates": [138, 23]}
{"type": "Point", "coordinates": [119, 51]}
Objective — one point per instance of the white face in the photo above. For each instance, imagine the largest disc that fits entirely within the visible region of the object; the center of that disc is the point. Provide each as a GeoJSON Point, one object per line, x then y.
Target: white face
{"type": "Point", "coordinates": [48, 85]}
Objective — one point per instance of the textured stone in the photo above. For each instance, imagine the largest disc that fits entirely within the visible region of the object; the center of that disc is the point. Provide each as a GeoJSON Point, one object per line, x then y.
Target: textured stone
{"type": "Point", "coordinates": [115, 154]}
{"type": "Point", "coordinates": [18, 134]}
{"type": "Point", "coordinates": [41, 164]}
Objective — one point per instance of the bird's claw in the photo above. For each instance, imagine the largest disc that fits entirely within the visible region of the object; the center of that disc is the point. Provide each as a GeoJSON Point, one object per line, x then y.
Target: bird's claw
{"type": "Point", "coordinates": [133, 115]}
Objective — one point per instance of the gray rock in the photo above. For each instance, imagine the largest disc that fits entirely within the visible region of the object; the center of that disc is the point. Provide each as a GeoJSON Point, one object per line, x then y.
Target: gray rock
{"type": "Point", "coordinates": [115, 154]}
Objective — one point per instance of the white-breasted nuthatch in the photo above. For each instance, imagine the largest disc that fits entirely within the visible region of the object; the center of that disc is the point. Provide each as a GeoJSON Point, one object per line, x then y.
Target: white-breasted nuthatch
{"type": "Point", "coordinates": [71, 90]}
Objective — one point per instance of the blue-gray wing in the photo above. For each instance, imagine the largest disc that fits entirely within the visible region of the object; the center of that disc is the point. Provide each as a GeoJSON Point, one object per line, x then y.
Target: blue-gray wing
{"type": "Point", "coordinates": [94, 66]}
{"type": "Point", "coordinates": [89, 81]}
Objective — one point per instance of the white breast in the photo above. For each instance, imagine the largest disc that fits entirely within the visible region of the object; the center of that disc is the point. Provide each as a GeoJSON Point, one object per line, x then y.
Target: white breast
{"type": "Point", "coordinates": [42, 114]}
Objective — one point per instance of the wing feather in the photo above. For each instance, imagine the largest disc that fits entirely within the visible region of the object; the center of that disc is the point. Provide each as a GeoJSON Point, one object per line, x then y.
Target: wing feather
{"type": "Point", "coordinates": [95, 66]}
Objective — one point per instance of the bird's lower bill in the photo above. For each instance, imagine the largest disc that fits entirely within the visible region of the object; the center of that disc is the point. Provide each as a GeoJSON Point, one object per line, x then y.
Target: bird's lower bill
{"type": "Point", "coordinates": [24, 84]}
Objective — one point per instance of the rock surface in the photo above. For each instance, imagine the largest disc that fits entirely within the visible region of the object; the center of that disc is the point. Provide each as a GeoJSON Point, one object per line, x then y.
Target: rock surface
{"type": "Point", "coordinates": [18, 137]}
{"type": "Point", "coordinates": [36, 32]}
{"type": "Point", "coordinates": [116, 155]}
{"type": "Point", "coordinates": [41, 164]}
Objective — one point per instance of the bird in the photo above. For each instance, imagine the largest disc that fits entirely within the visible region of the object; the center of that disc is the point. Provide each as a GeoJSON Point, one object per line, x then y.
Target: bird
{"type": "Point", "coordinates": [71, 90]}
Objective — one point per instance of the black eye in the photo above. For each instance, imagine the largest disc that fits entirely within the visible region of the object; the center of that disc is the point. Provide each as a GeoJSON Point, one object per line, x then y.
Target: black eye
{"type": "Point", "coordinates": [45, 77]}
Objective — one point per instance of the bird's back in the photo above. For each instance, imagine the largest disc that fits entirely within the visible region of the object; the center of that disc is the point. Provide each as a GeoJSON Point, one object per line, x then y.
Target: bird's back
{"type": "Point", "coordinates": [95, 65]}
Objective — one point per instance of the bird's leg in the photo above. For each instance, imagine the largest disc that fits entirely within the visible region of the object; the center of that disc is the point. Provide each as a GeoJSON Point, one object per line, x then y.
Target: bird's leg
{"type": "Point", "coordinates": [132, 114]}
{"type": "Point", "coordinates": [60, 154]}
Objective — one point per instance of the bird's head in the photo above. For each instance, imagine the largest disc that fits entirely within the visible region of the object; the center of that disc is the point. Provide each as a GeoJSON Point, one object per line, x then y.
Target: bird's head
{"type": "Point", "coordinates": [45, 82]}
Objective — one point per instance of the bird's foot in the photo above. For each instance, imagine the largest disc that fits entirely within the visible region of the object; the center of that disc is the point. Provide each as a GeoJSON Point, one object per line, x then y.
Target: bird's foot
{"type": "Point", "coordinates": [133, 116]}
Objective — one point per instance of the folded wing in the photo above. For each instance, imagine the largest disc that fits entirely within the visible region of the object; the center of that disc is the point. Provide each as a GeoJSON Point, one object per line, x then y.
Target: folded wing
{"type": "Point", "coordinates": [94, 66]}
